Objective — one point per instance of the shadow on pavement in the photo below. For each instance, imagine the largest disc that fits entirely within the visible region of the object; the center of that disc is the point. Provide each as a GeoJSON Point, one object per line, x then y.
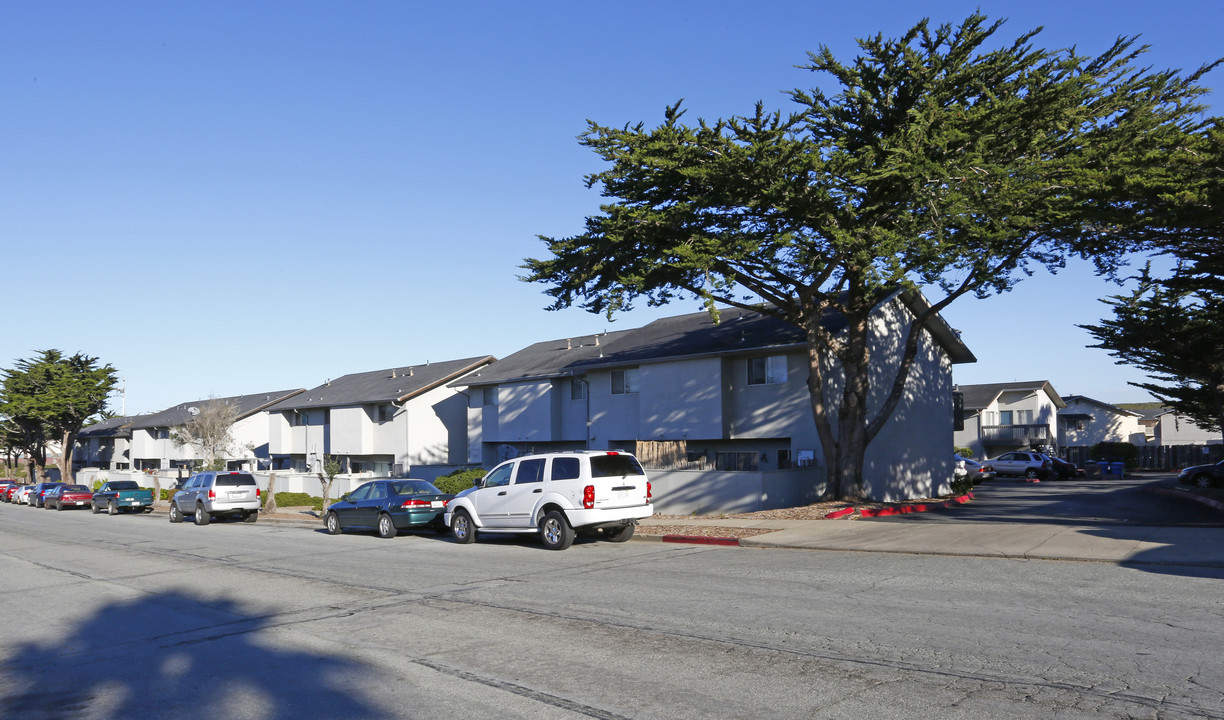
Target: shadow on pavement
{"type": "Point", "coordinates": [172, 655]}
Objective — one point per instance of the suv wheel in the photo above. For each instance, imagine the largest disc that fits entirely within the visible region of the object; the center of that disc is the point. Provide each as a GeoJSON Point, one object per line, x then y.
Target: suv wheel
{"type": "Point", "coordinates": [386, 528]}
{"type": "Point", "coordinates": [201, 515]}
{"type": "Point", "coordinates": [620, 534]}
{"type": "Point", "coordinates": [462, 528]}
{"type": "Point", "coordinates": [1031, 473]}
{"type": "Point", "coordinates": [555, 531]}
{"type": "Point", "coordinates": [176, 515]}
{"type": "Point", "coordinates": [251, 516]}
{"type": "Point", "coordinates": [332, 523]}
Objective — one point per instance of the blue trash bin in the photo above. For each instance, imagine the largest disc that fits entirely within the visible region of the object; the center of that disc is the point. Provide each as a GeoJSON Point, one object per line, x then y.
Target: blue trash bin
{"type": "Point", "coordinates": [1117, 469]}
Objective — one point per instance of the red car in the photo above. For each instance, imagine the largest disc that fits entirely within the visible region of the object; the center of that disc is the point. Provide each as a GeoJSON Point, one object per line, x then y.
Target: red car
{"type": "Point", "coordinates": [68, 496]}
{"type": "Point", "coordinates": [6, 490]}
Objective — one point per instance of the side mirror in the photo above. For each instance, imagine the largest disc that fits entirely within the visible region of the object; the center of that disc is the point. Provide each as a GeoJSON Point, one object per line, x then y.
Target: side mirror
{"type": "Point", "coordinates": [477, 482]}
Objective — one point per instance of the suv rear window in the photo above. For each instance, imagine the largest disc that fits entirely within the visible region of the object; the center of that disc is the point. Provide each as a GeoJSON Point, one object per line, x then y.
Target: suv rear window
{"type": "Point", "coordinates": [235, 479]}
{"type": "Point", "coordinates": [615, 466]}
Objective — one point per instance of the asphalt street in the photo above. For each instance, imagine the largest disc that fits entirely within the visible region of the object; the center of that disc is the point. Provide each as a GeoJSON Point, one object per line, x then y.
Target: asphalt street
{"type": "Point", "coordinates": [131, 617]}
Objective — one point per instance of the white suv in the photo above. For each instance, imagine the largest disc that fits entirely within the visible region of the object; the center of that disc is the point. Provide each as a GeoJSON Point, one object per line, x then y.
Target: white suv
{"type": "Point", "coordinates": [556, 495]}
{"type": "Point", "coordinates": [216, 494]}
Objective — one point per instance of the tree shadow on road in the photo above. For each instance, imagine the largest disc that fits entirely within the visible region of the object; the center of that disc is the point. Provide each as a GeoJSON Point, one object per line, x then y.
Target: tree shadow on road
{"type": "Point", "coordinates": [172, 655]}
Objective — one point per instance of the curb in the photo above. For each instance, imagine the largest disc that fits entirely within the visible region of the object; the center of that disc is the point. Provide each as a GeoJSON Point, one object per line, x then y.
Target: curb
{"type": "Point", "coordinates": [700, 540]}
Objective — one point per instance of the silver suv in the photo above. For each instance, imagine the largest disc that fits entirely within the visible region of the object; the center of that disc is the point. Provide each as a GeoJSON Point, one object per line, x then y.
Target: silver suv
{"type": "Point", "coordinates": [216, 494]}
{"type": "Point", "coordinates": [555, 495]}
{"type": "Point", "coordinates": [1031, 465]}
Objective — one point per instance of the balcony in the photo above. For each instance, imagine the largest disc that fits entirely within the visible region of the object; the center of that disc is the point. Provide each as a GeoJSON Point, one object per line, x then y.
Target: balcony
{"type": "Point", "coordinates": [1017, 435]}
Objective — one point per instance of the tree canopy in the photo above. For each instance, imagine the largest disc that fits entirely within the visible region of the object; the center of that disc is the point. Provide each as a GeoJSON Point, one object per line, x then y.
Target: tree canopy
{"type": "Point", "coordinates": [50, 397]}
{"type": "Point", "coordinates": [940, 163]}
{"type": "Point", "coordinates": [1173, 327]}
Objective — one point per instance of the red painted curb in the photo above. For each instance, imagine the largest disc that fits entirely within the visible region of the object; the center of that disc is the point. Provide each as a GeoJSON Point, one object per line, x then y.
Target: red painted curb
{"type": "Point", "coordinates": [700, 540]}
{"type": "Point", "coordinates": [839, 513]}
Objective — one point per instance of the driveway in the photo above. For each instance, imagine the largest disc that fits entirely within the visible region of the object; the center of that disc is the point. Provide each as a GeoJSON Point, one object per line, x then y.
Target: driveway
{"type": "Point", "coordinates": [1075, 502]}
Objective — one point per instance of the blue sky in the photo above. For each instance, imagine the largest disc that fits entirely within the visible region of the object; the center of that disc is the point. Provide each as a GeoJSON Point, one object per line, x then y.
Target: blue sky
{"type": "Point", "coordinates": [232, 197]}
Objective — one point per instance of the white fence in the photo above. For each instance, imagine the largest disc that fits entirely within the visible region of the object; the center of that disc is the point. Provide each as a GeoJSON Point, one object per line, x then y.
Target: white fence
{"type": "Point", "coordinates": [286, 481]}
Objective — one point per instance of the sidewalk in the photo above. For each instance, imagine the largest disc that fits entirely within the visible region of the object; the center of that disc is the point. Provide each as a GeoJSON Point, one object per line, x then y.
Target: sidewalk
{"type": "Point", "coordinates": [1045, 541]}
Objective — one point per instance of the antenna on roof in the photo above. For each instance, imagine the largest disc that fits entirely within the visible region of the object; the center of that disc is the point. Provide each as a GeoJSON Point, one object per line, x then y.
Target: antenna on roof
{"type": "Point", "coordinates": [392, 373]}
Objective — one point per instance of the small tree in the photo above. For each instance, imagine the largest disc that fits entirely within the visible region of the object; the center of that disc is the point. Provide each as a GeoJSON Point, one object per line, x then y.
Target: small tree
{"type": "Point", "coordinates": [331, 468]}
{"type": "Point", "coordinates": [211, 432]}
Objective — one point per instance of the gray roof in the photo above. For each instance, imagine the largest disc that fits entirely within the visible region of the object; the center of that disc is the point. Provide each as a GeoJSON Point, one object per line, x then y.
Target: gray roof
{"type": "Point", "coordinates": [550, 358]}
{"type": "Point", "coordinates": [244, 405]}
{"type": "Point", "coordinates": [382, 386]}
{"type": "Point", "coordinates": [116, 427]}
{"type": "Point", "coordinates": [979, 397]}
{"type": "Point", "coordinates": [696, 334]}
{"type": "Point", "coordinates": [1084, 398]}
{"type": "Point", "coordinates": [690, 335]}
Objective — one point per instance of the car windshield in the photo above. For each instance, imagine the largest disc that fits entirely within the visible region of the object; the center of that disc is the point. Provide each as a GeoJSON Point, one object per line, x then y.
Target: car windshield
{"type": "Point", "coordinates": [124, 485]}
{"type": "Point", "coordinates": [615, 466]}
{"type": "Point", "coordinates": [414, 487]}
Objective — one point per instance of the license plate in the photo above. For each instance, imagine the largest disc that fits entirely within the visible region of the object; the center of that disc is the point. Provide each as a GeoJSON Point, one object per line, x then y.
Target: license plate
{"type": "Point", "coordinates": [80, 502]}
{"type": "Point", "coordinates": [437, 504]}
{"type": "Point", "coordinates": [236, 494]}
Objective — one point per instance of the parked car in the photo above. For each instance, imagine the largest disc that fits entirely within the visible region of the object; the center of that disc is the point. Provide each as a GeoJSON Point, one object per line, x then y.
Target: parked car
{"type": "Point", "coordinates": [70, 496]}
{"type": "Point", "coordinates": [1203, 475]}
{"type": "Point", "coordinates": [6, 486]}
{"type": "Point", "coordinates": [1063, 469]}
{"type": "Point", "coordinates": [38, 494]}
{"type": "Point", "coordinates": [211, 494]}
{"type": "Point", "coordinates": [9, 491]}
{"type": "Point", "coordinates": [977, 471]}
{"type": "Point", "coordinates": [555, 495]}
{"type": "Point", "coordinates": [117, 495]}
{"type": "Point", "coordinates": [1031, 465]}
{"type": "Point", "coordinates": [22, 494]}
{"type": "Point", "coordinates": [388, 506]}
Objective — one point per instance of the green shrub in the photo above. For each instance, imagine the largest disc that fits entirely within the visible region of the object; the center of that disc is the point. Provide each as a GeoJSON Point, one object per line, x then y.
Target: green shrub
{"type": "Point", "coordinates": [97, 484]}
{"type": "Point", "coordinates": [963, 452]}
{"type": "Point", "coordinates": [292, 499]}
{"type": "Point", "coordinates": [960, 486]}
{"type": "Point", "coordinates": [167, 493]}
{"type": "Point", "coordinates": [458, 480]}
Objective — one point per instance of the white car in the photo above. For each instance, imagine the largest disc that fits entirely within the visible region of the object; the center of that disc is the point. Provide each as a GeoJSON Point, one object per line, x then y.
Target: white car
{"type": "Point", "coordinates": [555, 495]}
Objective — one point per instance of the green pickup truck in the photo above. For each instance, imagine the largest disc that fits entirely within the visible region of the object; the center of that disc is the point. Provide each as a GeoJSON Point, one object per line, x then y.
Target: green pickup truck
{"type": "Point", "coordinates": [119, 495]}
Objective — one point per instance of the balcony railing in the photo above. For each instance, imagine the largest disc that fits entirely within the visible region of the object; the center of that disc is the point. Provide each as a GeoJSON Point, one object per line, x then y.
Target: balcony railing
{"type": "Point", "coordinates": [1017, 435]}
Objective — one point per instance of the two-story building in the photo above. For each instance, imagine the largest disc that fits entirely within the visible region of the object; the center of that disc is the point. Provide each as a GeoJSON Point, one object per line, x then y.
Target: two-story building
{"type": "Point", "coordinates": [397, 422]}
{"type": "Point", "coordinates": [154, 447]}
{"type": "Point", "coordinates": [106, 444]}
{"type": "Point", "coordinates": [726, 395]}
{"type": "Point", "coordinates": [1084, 422]}
{"type": "Point", "coordinates": [999, 417]}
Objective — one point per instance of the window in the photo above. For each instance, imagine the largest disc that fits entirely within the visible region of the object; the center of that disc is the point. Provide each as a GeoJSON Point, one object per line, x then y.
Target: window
{"type": "Point", "coordinates": [736, 461]}
{"type": "Point", "coordinates": [294, 417]}
{"type": "Point", "coordinates": [500, 476]}
{"type": "Point", "coordinates": [577, 388]}
{"type": "Point", "coordinates": [386, 413]}
{"type": "Point", "coordinates": [769, 370]}
{"type": "Point", "coordinates": [565, 468]}
{"type": "Point", "coordinates": [490, 395]}
{"type": "Point", "coordinates": [784, 460]}
{"type": "Point", "coordinates": [1005, 417]}
{"type": "Point", "coordinates": [615, 466]}
{"type": "Point", "coordinates": [624, 381]}
{"type": "Point", "coordinates": [530, 471]}
{"type": "Point", "coordinates": [360, 493]}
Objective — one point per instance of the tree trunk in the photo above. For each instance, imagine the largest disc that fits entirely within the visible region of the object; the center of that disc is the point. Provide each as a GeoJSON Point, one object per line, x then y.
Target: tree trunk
{"type": "Point", "coordinates": [326, 483]}
{"type": "Point", "coordinates": [270, 504]}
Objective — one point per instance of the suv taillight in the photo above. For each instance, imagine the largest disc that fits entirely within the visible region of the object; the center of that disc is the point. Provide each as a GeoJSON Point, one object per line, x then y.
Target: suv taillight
{"type": "Point", "coordinates": [257, 495]}
{"type": "Point", "coordinates": [588, 497]}
{"type": "Point", "coordinates": [649, 492]}
{"type": "Point", "coordinates": [212, 494]}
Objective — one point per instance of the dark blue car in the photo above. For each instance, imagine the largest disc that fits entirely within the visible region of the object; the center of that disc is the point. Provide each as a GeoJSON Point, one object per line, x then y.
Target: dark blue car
{"type": "Point", "coordinates": [388, 506]}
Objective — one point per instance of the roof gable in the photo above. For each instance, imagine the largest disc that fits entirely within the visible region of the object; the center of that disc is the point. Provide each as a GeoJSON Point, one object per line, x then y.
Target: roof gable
{"type": "Point", "coordinates": [980, 397]}
{"type": "Point", "coordinates": [244, 406]}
